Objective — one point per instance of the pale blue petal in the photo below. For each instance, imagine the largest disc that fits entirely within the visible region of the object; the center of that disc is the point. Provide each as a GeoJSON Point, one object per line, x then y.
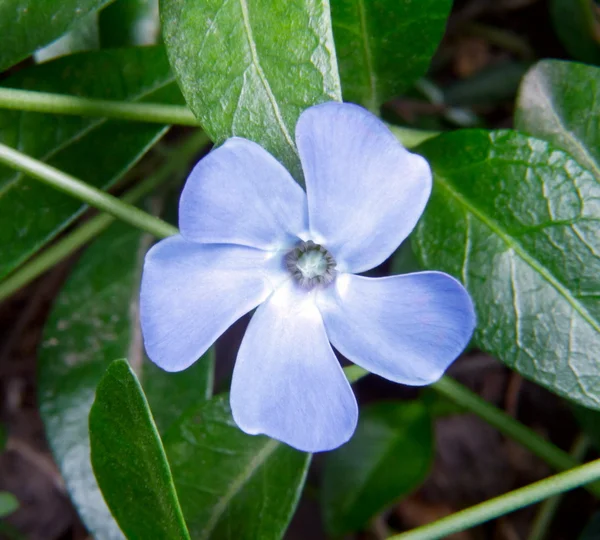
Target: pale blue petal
{"type": "Point", "coordinates": [365, 191]}
{"type": "Point", "coordinates": [406, 328]}
{"type": "Point", "coordinates": [287, 382]}
{"type": "Point", "coordinates": [191, 293]}
{"type": "Point", "coordinates": [240, 194]}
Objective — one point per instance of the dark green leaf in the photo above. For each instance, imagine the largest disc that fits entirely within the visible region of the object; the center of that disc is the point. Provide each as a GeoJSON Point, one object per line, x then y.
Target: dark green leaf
{"type": "Point", "coordinates": [517, 221]}
{"type": "Point", "coordinates": [250, 67]}
{"type": "Point", "coordinates": [589, 420]}
{"type": "Point", "coordinates": [578, 27]}
{"type": "Point", "coordinates": [385, 46]}
{"type": "Point", "coordinates": [26, 25]}
{"type": "Point", "coordinates": [129, 460]}
{"type": "Point", "coordinates": [129, 22]}
{"type": "Point", "coordinates": [94, 320]}
{"type": "Point", "coordinates": [8, 503]}
{"type": "Point", "coordinates": [557, 102]}
{"type": "Point", "coordinates": [232, 485]}
{"type": "Point", "coordinates": [592, 530]}
{"type": "Point", "coordinates": [93, 149]}
{"type": "Point", "coordinates": [388, 457]}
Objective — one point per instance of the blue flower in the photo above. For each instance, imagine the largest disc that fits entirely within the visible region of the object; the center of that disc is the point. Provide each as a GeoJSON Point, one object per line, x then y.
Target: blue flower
{"type": "Point", "coordinates": [250, 236]}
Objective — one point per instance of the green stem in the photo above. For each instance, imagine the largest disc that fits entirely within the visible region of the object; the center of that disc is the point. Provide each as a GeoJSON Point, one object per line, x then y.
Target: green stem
{"type": "Point", "coordinates": [80, 190]}
{"type": "Point", "coordinates": [555, 457]}
{"type": "Point", "coordinates": [43, 102]}
{"type": "Point", "coordinates": [173, 167]}
{"type": "Point", "coordinates": [499, 506]}
{"type": "Point", "coordinates": [543, 519]}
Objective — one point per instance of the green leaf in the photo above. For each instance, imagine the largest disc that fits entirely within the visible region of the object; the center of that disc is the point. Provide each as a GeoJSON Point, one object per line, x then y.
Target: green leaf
{"type": "Point", "coordinates": [388, 457]}
{"type": "Point", "coordinates": [26, 25]}
{"type": "Point", "coordinates": [130, 23]}
{"type": "Point", "coordinates": [94, 320]}
{"type": "Point", "coordinates": [250, 67]}
{"type": "Point", "coordinates": [232, 485]}
{"type": "Point", "coordinates": [517, 221]}
{"type": "Point", "coordinates": [557, 102]}
{"type": "Point", "coordinates": [383, 47]}
{"type": "Point", "coordinates": [94, 149]}
{"type": "Point", "coordinates": [589, 420]}
{"type": "Point", "coordinates": [129, 459]}
{"type": "Point", "coordinates": [8, 503]}
{"type": "Point", "coordinates": [578, 27]}
{"type": "Point", "coordinates": [592, 530]}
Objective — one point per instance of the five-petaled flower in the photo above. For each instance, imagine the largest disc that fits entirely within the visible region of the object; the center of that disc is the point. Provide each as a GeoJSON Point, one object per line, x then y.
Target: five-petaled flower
{"type": "Point", "coordinates": [251, 236]}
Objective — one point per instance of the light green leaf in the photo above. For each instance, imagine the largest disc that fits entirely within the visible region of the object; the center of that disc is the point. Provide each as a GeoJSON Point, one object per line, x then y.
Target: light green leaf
{"type": "Point", "coordinates": [388, 457]}
{"type": "Point", "coordinates": [129, 460]}
{"type": "Point", "coordinates": [27, 25]}
{"type": "Point", "coordinates": [232, 485]}
{"type": "Point", "coordinates": [383, 47]}
{"type": "Point", "coordinates": [517, 220]}
{"type": "Point", "coordinates": [130, 23]}
{"type": "Point", "coordinates": [250, 67]}
{"type": "Point", "coordinates": [94, 149]}
{"type": "Point", "coordinates": [8, 504]}
{"type": "Point", "coordinates": [94, 320]}
{"type": "Point", "coordinates": [557, 102]}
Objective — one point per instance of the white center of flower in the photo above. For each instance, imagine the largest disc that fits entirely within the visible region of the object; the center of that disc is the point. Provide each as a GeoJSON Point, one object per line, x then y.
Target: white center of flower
{"type": "Point", "coordinates": [310, 264]}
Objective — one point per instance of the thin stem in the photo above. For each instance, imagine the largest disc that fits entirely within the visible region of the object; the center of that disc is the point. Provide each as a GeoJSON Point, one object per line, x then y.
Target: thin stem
{"type": "Point", "coordinates": [43, 102]}
{"type": "Point", "coordinates": [80, 190]}
{"type": "Point", "coordinates": [509, 502]}
{"type": "Point", "coordinates": [543, 519]}
{"type": "Point", "coordinates": [555, 457]}
{"type": "Point", "coordinates": [174, 166]}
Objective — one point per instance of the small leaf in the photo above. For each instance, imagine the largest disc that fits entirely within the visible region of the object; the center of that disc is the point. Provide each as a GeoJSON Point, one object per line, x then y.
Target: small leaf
{"type": "Point", "coordinates": [129, 460]}
{"type": "Point", "coordinates": [383, 47]}
{"type": "Point", "coordinates": [8, 504]}
{"type": "Point", "coordinates": [94, 320]}
{"type": "Point", "coordinates": [518, 221]}
{"type": "Point", "coordinates": [97, 150]}
{"type": "Point", "coordinates": [26, 25]}
{"type": "Point", "coordinates": [232, 485]}
{"type": "Point", "coordinates": [555, 104]}
{"type": "Point", "coordinates": [577, 24]}
{"type": "Point", "coordinates": [250, 67]}
{"type": "Point", "coordinates": [388, 457]}
{"type": "Point", "coordinates": [128, 23]}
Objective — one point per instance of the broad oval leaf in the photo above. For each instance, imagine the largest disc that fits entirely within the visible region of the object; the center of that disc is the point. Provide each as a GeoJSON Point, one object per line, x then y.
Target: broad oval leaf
{"type": "Point", "coordinates": [388, 457]}
{"type": "Point", "coordinates": [93, 321]}
{"type": "Point", "coordinates": [383, 47]}
{"type": "Point", "coordinates": [232, 485]}
{"type": "Point", "coordinates": [26, 25]}
{"type": "Point", "coordinates": [517, 220]}
{"type": "Point", "coordinates": [129, 460]}
{"type": "Point", "coordinates": [557, 103]}
{"type": "Point", "coordinates": [250, 67]}
{"type": "Point", "coordinates": [97, 150]}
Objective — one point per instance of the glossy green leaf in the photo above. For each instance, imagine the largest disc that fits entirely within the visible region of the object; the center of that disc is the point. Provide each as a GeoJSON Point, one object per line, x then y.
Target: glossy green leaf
{"type": "Point", "coordinates": [94, 320]}
{"type": "Point", "coordinates": [383, 47]}
{"type": "Point", "coordinates": [129, 23]}
{"type": "Point", "coordinates": [8, 503]}
{"type": "Point", "coordinates": [232, 485]}
{"type": "Point", "coordinates": [388, 457]}
{"type": "Point", "coordinates": [26, 25]}
{"type": "Point", "coordinates": [250, 67]}
{"type": "Point", "coordinates": [517, 220]}
{"type": "Point", "coordinates": [558, 102]}
{"type": "Point", "coordinates": [94, 149]}
{"type": "Point", "coordinates": [129, 460]}
{"type": "Point", "coordinates": [577, 24]}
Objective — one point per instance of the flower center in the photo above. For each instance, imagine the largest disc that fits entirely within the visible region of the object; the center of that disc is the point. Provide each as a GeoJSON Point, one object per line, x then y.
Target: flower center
{"type": "Point", "coordinates": [310, 264]}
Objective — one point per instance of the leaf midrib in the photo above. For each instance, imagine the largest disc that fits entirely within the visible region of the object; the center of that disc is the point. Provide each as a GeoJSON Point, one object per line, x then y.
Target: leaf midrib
{"type": "Point", "coordinates": [372, 101]}
{"type": "Point", "coordinates": [236, 486]}
{"type": "Point", "coordinates": [513, 244]}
